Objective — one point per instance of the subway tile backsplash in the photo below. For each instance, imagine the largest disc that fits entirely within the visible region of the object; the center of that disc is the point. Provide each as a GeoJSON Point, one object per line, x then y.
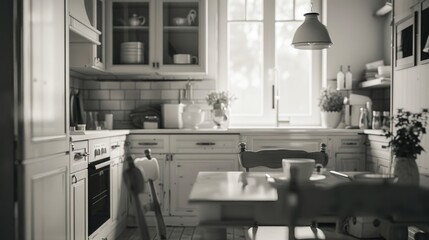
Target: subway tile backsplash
{"type": "Point", "coordinates": [123, 97]}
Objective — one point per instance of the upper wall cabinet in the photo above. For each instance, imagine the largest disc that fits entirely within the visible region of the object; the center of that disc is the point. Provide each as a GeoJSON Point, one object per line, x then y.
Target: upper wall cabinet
{"type": "Point", "coordinates": [157, 37]}
{"type": "Point", "coordinates": [82, 13]}
{"type": "Point", "coordinates": [88, 58]}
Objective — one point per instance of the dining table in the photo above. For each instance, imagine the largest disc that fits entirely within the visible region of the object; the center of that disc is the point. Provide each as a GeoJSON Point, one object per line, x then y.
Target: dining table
{"type": "Point", "coordinates": [247, 198]}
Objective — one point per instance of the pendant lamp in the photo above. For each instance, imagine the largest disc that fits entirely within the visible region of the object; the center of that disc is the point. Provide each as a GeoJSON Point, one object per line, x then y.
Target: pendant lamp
{"type": "Point", "coordinates": [312, 34]}
{"type": "Point", "coordinates": [426, 48]}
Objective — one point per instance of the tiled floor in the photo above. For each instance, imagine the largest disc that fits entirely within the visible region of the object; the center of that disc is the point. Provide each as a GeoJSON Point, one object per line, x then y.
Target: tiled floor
{"type": "Point", "coordinates": [182, 233]}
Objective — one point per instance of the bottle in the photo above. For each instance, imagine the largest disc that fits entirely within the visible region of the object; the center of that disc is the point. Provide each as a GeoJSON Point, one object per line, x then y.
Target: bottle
{"type": "Point", "coordinates": [363, 118]}
{"type": "Point", "coordinates": [369, 112]}
{"type": "Point", "coordinates": [386, 120]}
{"type": "Point", "coordinates": [376, 120]}
{"type": "Point", "coordinates": [349, 78]}
{"type": "Point", "coordinates": [340, 79]}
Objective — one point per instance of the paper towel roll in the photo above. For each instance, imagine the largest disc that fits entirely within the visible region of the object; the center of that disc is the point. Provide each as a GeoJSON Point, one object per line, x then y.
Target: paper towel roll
{"type": "Point", "coordinates": [109, 121]}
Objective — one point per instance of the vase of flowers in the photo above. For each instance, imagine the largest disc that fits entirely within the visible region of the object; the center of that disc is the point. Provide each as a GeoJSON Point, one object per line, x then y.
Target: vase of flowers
{"type": "Point", "coordinates": [221, 103]}
{"type": "Point", "coordinates": [331, 103]}
{"type": "Point", "coordinates": [405, 145]}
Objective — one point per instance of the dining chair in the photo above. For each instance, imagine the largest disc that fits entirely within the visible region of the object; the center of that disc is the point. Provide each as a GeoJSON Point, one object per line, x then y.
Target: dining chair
{"type": "Point", "coordinates": [272, 158]}
{"type": "Point", "coordinates": [146, 170]}
{"type": "Point", "coordinates": [397, 204]}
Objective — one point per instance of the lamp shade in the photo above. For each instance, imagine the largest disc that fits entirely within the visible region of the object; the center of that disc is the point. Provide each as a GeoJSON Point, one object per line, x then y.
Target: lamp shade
{"type": "Point", "coordinates": [312, 34]}
{"type": "Point", "coordinates": [426, 48]}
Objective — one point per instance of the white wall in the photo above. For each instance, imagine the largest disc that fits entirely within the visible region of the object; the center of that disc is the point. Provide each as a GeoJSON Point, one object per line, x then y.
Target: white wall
{"type": "Point", "coordinates": [357, 35]}
{"type": "Point", "coordinates": [411, 87]}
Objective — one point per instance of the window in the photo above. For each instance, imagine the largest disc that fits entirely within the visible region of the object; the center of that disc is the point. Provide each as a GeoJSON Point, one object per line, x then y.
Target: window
{"type": "Point", "coordinates": [259, 63]}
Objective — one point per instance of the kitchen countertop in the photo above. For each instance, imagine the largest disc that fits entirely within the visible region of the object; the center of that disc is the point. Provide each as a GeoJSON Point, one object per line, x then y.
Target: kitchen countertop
{"type": "Point", "coordinates": [243, 131]}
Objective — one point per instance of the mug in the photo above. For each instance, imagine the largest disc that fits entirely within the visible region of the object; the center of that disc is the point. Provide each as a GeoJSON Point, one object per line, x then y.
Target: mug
{"type": "Point", "coordinates": [304, 168]}
{"type": "Point", "coordinates": [184, 59]}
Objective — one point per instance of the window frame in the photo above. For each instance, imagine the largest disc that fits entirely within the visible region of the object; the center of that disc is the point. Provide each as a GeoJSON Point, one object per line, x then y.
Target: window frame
{"type": "Point", "coordinates": [270, 116]}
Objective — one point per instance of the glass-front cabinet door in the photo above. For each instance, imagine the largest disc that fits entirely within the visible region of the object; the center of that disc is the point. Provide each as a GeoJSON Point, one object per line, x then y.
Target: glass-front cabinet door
{"type": "Point", "coordinates": [157, 36]}
{"type": "Point", "coordinates": [131, 30]}
{"type": "Point", "coordinates": [182, 36]}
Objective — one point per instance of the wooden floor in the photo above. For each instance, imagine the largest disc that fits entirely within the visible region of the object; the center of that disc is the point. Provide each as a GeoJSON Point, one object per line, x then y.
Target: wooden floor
{"type": "Point", "coordinates": [180, 233]}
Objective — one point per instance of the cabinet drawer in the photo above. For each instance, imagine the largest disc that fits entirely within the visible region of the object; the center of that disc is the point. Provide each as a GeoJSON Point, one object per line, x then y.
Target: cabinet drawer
{"type": "Point", "coordinates": [204, 143]}
{"type": "Point", "coordinates": [280, 142]}
{"type": "Point", "coordinates": [351, 144]}
{"type": "Point", "coordinates": [378, 148]}
{"type": "Point", "coordinates": [79, 156]}
{"type": "Point", "coordinates": [117, 145]}
{"type": "Point", "coordinates": [157, 143]}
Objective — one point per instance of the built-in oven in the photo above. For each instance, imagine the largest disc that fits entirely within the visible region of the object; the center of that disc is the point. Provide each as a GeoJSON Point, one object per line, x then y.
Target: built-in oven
{"type": "Point", "coordinates": [98, 184]}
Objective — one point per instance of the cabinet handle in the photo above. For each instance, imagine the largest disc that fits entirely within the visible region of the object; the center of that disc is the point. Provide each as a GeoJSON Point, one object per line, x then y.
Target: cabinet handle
{"type": "Point", "coordinates": [115, 146]}
{"type": "Point", "coordinates": [74, 179]}
{"type": "Point", "coordinates": [148, 143]}
{"type": "Point", "coordinates": [157, 65]}
{"type": "Point", "coordinates": [154, 65]}
{"type": "Point", "coordinates": [384, 146]}
{"type": "Point", "coordinates": [350, 143]}
{"type": "Point", "coordinates": [80, 155]}
{"type": "Point", "coordinates": [205, 143]}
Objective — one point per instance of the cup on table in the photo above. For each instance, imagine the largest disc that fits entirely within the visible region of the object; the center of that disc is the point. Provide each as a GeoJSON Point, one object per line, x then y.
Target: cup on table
{"type": "Point", "coordinates": [303, 166]}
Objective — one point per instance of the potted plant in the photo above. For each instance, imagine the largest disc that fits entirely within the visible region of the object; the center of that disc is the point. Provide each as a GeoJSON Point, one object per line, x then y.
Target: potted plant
{"type": "Point", "coordinates": [331, 103]}
{"type": "Point", "coordinates": [405, 145]}
{"type": "Point", "coordinates": [221, 102]}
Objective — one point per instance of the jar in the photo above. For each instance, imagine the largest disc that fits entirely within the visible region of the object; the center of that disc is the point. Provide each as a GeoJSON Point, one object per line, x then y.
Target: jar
{"type": "Point", "coordinates": [386, 120]}
{"type": "Point", "coordinates": [376, 120]}
{"type": "Point", "coordinates": [363, 119]}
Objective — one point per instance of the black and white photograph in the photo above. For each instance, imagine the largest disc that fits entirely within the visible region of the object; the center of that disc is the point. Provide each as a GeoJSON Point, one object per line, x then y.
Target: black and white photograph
{"type": "Point", "coordinates": [214, 119]}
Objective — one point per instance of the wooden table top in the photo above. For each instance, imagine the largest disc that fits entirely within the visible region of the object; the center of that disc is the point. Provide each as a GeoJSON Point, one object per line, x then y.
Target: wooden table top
{"type": "Point", "coordinates": [242, 186]}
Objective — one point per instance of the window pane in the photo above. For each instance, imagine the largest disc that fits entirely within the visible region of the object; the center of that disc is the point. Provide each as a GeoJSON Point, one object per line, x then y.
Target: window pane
{"type": "Point", "coordinates": [236, 9]}
{"type": "Point", "coordinates": [294, 73]}
{"type": "Point", "coordinates": [284, 9]}
{"type": "Point", "coordinates": [255, 9]}
{"type": "Point", "coordinates": [245, 63]}
{"type": "Point", "coordinates": [301, 7]}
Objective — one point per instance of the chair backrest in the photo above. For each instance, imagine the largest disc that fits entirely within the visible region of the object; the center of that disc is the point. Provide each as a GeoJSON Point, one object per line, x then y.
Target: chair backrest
{"type": "Point", "coordinates": [134, 180]}
{"type": "Point", "coordinates": [150, 168]}
{"type": "Point", "coordinates": [272, 158]}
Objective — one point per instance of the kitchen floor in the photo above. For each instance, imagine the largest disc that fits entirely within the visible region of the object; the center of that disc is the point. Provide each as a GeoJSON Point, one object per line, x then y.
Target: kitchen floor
{"type": "Point", "coordinates": [179, 233]}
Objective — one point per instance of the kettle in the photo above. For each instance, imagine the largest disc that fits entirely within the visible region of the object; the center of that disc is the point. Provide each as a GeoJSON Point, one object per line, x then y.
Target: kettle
{"type": "Point", "coordinates": [136, 20]}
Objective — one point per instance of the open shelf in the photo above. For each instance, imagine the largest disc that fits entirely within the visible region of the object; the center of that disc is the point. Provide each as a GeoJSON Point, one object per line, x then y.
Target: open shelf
{"type": "Point", "coordinates": [375, 83]}
{"type": "Point", "coordinates": [181, 28]}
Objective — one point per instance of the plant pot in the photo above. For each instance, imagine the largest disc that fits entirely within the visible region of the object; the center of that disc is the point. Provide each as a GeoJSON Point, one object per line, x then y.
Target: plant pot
{"type": "Point", "coordinates": [406, 170]}
{"type": "Point", "coordinates": [330, 119]}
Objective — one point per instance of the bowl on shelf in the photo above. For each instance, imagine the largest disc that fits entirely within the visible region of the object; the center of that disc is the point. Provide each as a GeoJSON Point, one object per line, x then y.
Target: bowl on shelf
{"type": "Point", "coordinates": [179, 21]}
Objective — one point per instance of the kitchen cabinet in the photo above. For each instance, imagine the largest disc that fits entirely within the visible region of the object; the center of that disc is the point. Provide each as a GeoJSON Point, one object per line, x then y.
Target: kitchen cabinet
{"type": "Point", "coordinates": [378, 154]}
{"type": "Point", "coordinates": [180, 158]}
{"type": "Point", "coordinates": [184, 170]}
{"type": "Point", "coordinates": [118, 190]}
{"type": "Point", "coordinates": [144, 35]}
{"type": "Point", "coordinates": [45, 79]}
{"type": "Point", "coordinates": [88, 58]}
{"type": "Point", "coordinates": [44, 199]}
{"type": "Point", "coordinates": [349, 153]}
{"type": "Point", "coordinates": [79, 205]}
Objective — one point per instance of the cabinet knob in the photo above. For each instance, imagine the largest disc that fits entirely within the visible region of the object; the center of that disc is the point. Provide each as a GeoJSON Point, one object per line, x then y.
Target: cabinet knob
{"type": "Point", "coordinates": [74, 179]}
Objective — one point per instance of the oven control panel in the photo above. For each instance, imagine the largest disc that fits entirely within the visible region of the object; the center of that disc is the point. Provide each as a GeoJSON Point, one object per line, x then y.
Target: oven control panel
{"type": "Point", "coordinates": [99, 149]}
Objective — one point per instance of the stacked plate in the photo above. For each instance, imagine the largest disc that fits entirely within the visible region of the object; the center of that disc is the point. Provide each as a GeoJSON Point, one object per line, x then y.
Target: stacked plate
{"type": "Point", "coordinates": [132, 52]}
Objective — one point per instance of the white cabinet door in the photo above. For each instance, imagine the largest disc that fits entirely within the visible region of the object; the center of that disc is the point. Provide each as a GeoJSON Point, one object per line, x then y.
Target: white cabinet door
{"type": "Point", "coordinates": [159, 37]}
{"type": "Point", "coordinates": [122, 191]}
{"type": "Point", "coordinates": [45, 89]}
{"type": "Point", "coordinates": [44, 201]}
{"type": "Point", "coordinates": [79, 205]}
{"type": "Point", "coordinates": [118, 193]}
{"type": "Point", "coordinates": [184, 170]}
{"type": "Point", "coordinates": [350, 162]}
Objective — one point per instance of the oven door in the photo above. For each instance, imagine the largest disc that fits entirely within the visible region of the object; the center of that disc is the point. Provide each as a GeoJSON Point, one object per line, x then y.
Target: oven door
{"type": "Point", "coordinates": [98, 194]}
